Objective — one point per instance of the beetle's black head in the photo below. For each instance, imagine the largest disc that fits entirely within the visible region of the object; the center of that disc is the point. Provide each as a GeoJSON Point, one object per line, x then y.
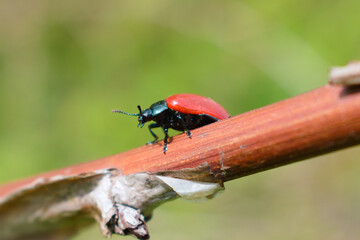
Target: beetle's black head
{"type": "Point", "coordinates": [143, 116]}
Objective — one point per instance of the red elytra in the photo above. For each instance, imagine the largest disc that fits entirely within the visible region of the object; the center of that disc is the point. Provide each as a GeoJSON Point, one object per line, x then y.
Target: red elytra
{"type": "Point", "coordinates": [195, 104]}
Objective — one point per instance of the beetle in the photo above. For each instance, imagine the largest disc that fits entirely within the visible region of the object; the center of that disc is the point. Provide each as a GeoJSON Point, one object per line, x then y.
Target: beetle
{"type": "Point", "coordinates": [181, 112]}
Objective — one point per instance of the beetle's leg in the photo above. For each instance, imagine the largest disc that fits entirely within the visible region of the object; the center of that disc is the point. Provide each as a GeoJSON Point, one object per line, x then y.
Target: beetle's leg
{"type": "Point", "coordinates": [153, 125]}
{"type": "Point", "coordinates": [184, 125]}
{"type": "Point", "coordinates": [165, 139]}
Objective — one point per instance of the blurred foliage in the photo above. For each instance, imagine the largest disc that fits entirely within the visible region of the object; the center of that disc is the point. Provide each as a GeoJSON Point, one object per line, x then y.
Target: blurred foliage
{"type": "Point", "coordinates": [64, 65]}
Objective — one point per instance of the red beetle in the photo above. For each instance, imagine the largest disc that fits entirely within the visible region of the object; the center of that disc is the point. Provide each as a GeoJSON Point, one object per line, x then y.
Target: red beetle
{"type": "Point", "coordinates": [182, 112]}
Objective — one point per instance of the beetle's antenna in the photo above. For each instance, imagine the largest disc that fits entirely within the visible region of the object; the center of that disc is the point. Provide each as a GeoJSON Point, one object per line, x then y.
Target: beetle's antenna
{"type": "Point", "coordinates": [130, 114]}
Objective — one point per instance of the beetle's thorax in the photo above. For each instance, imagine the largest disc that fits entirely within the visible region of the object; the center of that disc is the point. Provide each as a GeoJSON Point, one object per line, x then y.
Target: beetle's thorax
{"type": "Point", "coordinates": [158, 107]}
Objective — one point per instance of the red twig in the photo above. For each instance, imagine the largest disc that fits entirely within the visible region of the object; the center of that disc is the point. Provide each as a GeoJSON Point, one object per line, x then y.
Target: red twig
{"type": "Point", "coordinates": [314, 123]}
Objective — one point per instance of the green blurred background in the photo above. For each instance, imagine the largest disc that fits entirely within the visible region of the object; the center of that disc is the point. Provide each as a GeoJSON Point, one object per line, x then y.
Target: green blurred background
{"type": "Point", "coordinates": [64, 65]}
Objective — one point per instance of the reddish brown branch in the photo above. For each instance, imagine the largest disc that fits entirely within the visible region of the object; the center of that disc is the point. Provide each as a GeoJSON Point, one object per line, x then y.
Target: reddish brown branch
{"type": "Point", "coordinates": [314, 123]}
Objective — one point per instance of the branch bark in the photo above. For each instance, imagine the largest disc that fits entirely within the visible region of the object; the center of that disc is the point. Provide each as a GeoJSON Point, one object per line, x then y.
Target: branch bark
{"type": "Point", "coordinates": [317, 122]}
{"type": "Point", "coordinates": [320, 121]}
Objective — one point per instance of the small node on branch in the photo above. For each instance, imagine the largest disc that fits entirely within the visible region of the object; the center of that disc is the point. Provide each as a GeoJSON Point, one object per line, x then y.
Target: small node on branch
{"type": "Point", "coordinates": [347, 75]}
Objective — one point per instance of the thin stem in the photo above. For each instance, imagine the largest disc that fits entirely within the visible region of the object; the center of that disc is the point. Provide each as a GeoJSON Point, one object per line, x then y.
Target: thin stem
{"type": "Point", "coordinates": [317, 122]}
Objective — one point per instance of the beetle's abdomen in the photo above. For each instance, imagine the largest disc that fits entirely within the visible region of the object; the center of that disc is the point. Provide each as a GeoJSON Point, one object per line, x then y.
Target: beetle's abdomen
{"type": "Point", "coordinates": [192, 121]}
